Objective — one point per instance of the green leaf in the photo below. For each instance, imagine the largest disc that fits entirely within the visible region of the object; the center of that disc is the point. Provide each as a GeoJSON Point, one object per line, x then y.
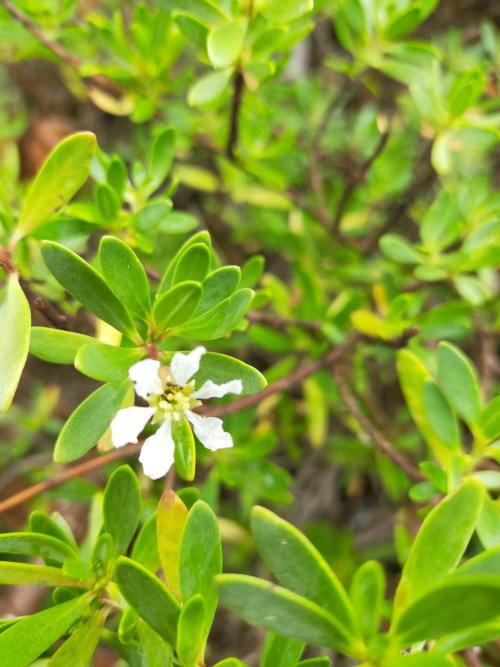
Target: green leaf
{"type": "Point", "coordinates": [231, 662]}
{"type": "Point", "coordinates": [15, 322]}
{"type": "Point", "coordinates": [252, 270]}
{"type": "Point", "coordinates": [440, 416]}
{"type": "Point", "coordinates": [145, 549]}
{"type": "Point", "coordinates": [125, 275]}
{"type": "Point", "coordinates": [155, 651]}
{"type": "Point", "coordinates": [89, 422]}
{"type": "Point", "coordinates": [160, 158]}
{"type": "Point", "coordinates": [56, 346]}
{"type": "Point", "coordinates": [280, 651]}
{"type": "Point", "coordinates": [489, 420]}
{"type": "Point", "coordinates": [224, 45]}
{"type": "Point", "coordinates": [488, 525]}
{"type": "Point", "coordinates": [315, 662]}
{"type": "Point", "coordinates": [204, 10]}
{"type": "Point", "coordinates": [200, 558]}
{"type": "Point", "coordinates": [403, 23]}
{"type": "Point", "coordinates": [220, 320]}
{"type": "Point", "coordinates": [442, 611]}
{"type": "Point", "coordinates": [193, 264]}
{"type": "Point", "coordinates": [221, 369]}
{"type": "Point", "coordinates": [274, 608]}
{"type": "Point", "coordinates": [185, 449]}
{"type": "Point", "coordinates": [300, 567]}
{"type": "Point", "coordinates": [367, 595]}
{"type": "Point", "coordinates": [149, 597]}
{"type": "Point", "coordinates": [412, 376]}
{"type": "Point", "coordinates": [459, 382]}
{"type": "Point", "coordinates": [36, 575]}
{"type": "Point", "coordinates": [167, 278]}
{"type": "Point", "coordinates": [209, 88]}
{"type": "Point", "coordinates": [122, 506]}
{"type": "Point", "coordinates": [78, 650]}
{"type": "Point", "coordinates": [107, 203]}
{"type": "Point", "coordinates": [177, 304]}
{"type": "Point", "coordinates": [36, 544]}
{"type": "Point", "coordinates": [398, 249]}
{"type": "Point", "coordinates": [170, 520]}
{"type": "Point", "coordinates": [285, 11]}
{"type": "Point", "coordinates": [62, 174]}
{"type": "Point", "coordinates": [191, 632]}
{"type": "Point", "coordinates": [487, 562]}
{"type": "Point", "coordinates": [193, 30]}
{"type": "Point", "coordinates": [427, 564]}
{"type": "Point", "coordinates": [25, 641]}
{"type": "Point", "coordinates": [217, 286]}
{"type": "Point", "coordinates": [106, 363]}
{"type": "Point", "coordinates": [477, 635]}
{"type": "Point", "coordinates": [54, 525]}
{"type": "Point", "coordinates": [86, 285]}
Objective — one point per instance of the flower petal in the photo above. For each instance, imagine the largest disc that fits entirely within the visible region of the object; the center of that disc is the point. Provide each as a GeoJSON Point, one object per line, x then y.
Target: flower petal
{"type": "Point", "coordinates": [209, 431]}
{"type": "Point", "coordinates": [184, 366]}
{"type": "Point", "coordinates": [211, 390]}
{"type": "Point", "coordinates": [128, 423]}
{"type": "Point", "coordinates": [144, 375]}
{"type": "Point", "coordinates": [157, 453]}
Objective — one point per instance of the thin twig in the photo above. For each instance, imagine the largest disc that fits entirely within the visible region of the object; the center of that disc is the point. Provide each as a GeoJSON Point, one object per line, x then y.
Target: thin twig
{"type": "Point", "coordinates": [356, 180]}
{"type": "Point", "coordinates": [471, 657]}
{"type": "Point", "coordinates": [6, 262]}
{"type": "Point", "coordinates": [377, 437]}
{"type": "Point", "coordinates": [297, 376]}
{"type": "Point", "coordinates": [234, 122]}
{"type": "Point", "coordinates": [335, 105]}
{"type": "Point", "coordinates": [66, 56]}
{"type": "Point", "coordinates": [278, 322]}
{"type": "Point", "coordinates": [36, 31]}
{"type": "Point", "coordinates": [68, 473]}
{"type": "Point", "coordinates": [51, 313]}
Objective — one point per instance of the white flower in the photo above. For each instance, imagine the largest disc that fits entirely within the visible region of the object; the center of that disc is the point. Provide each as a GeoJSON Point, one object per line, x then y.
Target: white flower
{"type": "Point", "coordinates": [171, 393]}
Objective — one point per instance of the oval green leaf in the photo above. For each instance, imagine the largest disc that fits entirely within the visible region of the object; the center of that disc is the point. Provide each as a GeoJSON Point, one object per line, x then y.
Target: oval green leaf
{"type": "Point", "coordinates": [15, 322]}
{"type": "Point", "coordinates": [62, 174]}
{"type": "Point", "coordinates": [89, 422]}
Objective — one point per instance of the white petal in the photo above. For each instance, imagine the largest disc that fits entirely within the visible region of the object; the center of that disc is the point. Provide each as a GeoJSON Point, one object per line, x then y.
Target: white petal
{"type": "Point", "coordinates": [211, 390]}
{"type": "Point", "coordinates": [144, 375]}
{"type": "Point", "coordinates": [157, 453]}
{"type": "Point", "coordinates": [209, 431]}
{"type": "Point", "coordinates": [184, 366]}
{"type": "Point", "coordinates": [128, 423]}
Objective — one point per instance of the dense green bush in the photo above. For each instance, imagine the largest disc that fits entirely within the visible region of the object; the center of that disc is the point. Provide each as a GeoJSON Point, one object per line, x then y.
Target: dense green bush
{"type": "Point", "coordinates": [292, 206]}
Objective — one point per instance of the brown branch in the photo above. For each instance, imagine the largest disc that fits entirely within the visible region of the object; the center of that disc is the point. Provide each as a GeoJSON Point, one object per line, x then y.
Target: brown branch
{"type": "Point", "coordinates": [234, 123]}
{"type": "Point", "coordinates": [422, 181]}
{"type": "Point", "coordinates": [471, 657]}
{"type": "Point", "coordinates": [315, 175]}
{"type": "Point", "coordinates": [51, 313]}
{"type": "Point", "coordinates": [377, 437]}
{"type": "Point", "coordinates": [297, 376]}
{"type": "Point", "coordinates": [6, 262]}
{"type": "Point", "coordinates": [68, 473]}
{"type": "Point", "coordinates": [39, 35]}
{"type": "Point", "coordinates": [279, 322]}
{"type": "Point", "coordinates": [356, 180]}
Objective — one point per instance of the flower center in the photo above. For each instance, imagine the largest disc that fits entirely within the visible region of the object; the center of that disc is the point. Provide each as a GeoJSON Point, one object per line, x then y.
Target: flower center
{"type": "Point", "coordinates": [173, 402]}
